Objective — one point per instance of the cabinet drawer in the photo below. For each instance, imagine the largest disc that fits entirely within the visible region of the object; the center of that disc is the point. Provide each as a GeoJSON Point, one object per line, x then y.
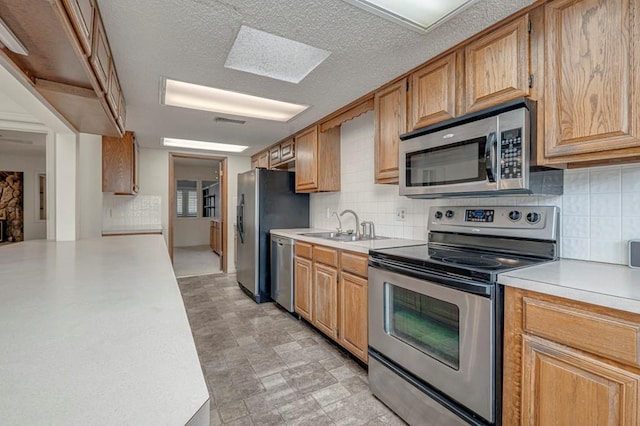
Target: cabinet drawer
{"type": "Point", "coordinates": [355, 263]}
{"type": "Point", "coordinates": [610, 337]}
{"type": "Point", "coordinates": [326, 255]}
{"type": "Point", "coordinates": [304, 250]}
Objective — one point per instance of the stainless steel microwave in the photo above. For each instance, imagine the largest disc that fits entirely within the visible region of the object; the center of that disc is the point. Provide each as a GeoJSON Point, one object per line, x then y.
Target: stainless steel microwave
{"type": "Point", "coordinates": [486, 153]}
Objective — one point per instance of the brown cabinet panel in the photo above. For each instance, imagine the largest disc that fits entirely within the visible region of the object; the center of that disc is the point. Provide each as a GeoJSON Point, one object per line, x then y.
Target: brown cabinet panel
{"type": "Point", "coordinates": [101, 55]}
{"type": "Point", "coordinates": [113, 93]}
{"type": "Point", "coordinates": [303, 287]}
{"type": "Point", "coordinates": [326, 255]}
{"type": "Point", "coordinates": [592, 89]}
{"type": "Point", "coordinates": [287, 150]}
{"type": "Point", "coordinates": [354, 263]}
{"type": "Point", "coordinates": [390, 105]}
{"type": "Point", "coordinates": [325, 299]}
{"type": "Point", "coordinates": [304, 250]}
{"type": "Point", "coordinates": [81, 13]}
{"type": "Point", "coordinates": [306, 160]}
{"type": "Point", "coordinates": [497, 66]}
{"type": "Point", "coordinates": [353, 315]}
{"type": "Point", "coordinates": [119, 164]}
{"type": "Point", "coordinates": [433, 92]}
{"type": "Point", "coordinates": [274, 155]}
{"type": "Point", "coordinates": [564, 387]}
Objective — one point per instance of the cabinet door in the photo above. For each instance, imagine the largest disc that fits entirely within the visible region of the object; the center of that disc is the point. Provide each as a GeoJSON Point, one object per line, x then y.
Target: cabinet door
{"type": "Point", "coordinates": [287, 150]}
{"type": "Point", "coordinates": [119, 164]}
{"type": "Point", "coordinates": [592, 90]}
{"type": "Point", "coordinates": [263, 159]}
{"type": "Point", "coordinates": [307, 160]}
{"type": "Point", "coordinates": [101, 54]}
{"type": "Point", "coordinates": [254, 162]}
{"type": "Point", "coordinates": [114, 93]}
{"type": "Point", "coordinates": [274, 155]}
{"type": "Point", "coordinates": [325, 299]}
{"type": "Point", "coordinates": [497, 66]}
{"type": "Point", "coordinates": [303, 287]}
{"type": "Point", "coordinates": [212, 236]}
{"type": "Point", "coordinates": [433, 92]}
{"type": "Point", "coordinates": [353, 314]}
{"type": "Point", "coordinates": [390, 105]}
{"type": "Point", "coordinates": [81, 13]}
{"type": "Point", "coordinates": [564, 387]}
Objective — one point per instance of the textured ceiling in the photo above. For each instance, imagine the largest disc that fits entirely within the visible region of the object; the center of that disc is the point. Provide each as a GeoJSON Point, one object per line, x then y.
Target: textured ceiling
{"type": "Point", "coordinates": [189, 40]}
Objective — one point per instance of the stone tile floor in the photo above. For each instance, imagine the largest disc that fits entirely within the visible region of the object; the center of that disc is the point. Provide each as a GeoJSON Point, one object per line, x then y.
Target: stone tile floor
{"type": "Point", "coordinates": [264, 367]}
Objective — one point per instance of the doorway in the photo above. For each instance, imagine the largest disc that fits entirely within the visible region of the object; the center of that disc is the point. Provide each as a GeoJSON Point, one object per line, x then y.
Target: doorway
{"type": "Point", "coordinates": [23, 186]}
{"type": "Point", "coordinates": [197, 214]}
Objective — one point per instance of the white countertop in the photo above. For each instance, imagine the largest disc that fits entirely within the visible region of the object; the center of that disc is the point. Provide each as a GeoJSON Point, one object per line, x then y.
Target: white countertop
{"type": "Point", "coordinates": [604, 284]}
{"type": "Point", "coordinates": [133, 229]}
{"type": "Point", "coordinates": [95, 332]}
{"type": "Point", "coordinates": [356, 246]}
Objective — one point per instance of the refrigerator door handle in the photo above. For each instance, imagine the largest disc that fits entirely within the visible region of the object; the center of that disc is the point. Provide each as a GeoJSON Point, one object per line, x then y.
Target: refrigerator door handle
{"type": "Point", "coordinates": [240, 219]}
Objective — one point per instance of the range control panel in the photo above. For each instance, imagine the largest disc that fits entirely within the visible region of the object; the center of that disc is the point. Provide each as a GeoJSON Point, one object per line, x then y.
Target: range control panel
{"type": "Point", "coordinates": [511, 154]}
{"type": "Point", "coordinates": [524, 221]}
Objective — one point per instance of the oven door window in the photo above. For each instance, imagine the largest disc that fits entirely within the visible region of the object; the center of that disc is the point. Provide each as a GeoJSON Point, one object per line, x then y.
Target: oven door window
{"type": "Point", "coordinates": [449, 164]}
{"type": "Point", "coordinates": [430, 325]}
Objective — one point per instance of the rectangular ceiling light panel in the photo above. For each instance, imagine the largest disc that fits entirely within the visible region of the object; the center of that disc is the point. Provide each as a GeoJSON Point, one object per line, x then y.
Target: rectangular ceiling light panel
{"type": "Point", "coordinates": [268, 55]}
{"type": "Point", "coordinates": [195, 96]}
{"type": "Point", "coordinates": [419, 16]}
{"type": "Point", "coordinates": [209, 146]}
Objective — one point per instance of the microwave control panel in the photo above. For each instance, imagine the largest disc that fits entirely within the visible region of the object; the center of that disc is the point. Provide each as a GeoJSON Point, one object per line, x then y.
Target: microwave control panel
{"type": "Point", "coordinates": [511, 154]}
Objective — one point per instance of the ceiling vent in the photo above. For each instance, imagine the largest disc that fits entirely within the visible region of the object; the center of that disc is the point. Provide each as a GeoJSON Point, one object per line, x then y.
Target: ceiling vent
{"type": "Point", "coordinates": [228, 120]}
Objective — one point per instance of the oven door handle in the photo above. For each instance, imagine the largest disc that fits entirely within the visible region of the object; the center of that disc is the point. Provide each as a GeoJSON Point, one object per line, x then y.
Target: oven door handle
{"type": "Point", "coordinates": [457, 283]}
{"type": "Point", "coordinates": [490, 153]}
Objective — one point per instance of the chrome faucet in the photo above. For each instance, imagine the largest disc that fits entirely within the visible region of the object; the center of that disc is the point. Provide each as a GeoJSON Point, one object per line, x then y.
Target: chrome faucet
{"type": "Point", "coordinates": [357, 220]}
{"type": "Point", "coordinates": [339, 228]}
{"type": "Point", "coordinates": [371, 232]}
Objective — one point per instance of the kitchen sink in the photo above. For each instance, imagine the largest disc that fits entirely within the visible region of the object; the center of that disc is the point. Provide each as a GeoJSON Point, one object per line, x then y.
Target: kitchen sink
{"type": "Point", "coordinates": [341, 237]}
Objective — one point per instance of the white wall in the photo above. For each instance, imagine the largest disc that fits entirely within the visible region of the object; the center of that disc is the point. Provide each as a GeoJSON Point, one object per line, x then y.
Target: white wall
{"type": "Point", "coordinates": [154, 180]}
{"type": "Point", "coordinates": [194, 231]}
{"type": "Point", "coordinates": [90, 185]}
{"type": "Point", "coordinates": [31, 166]}
{"type": "Point", "coordinates": [600, 208]}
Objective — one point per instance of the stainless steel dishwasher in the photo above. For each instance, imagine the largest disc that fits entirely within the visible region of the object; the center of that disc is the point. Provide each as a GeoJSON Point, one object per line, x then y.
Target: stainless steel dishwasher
{"type": "Point", "coordinates": [282, 253]}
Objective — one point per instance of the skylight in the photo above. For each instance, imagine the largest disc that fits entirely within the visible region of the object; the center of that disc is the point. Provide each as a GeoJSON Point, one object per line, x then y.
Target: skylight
{"type": "Point", "coordinates": [419, 16]}
{"type": "Point", "coordinates": [205, 98]}
{"type": "Point", "coordinates": [268, 55]}
{"type": "Point", "coordinates": [209, 146]}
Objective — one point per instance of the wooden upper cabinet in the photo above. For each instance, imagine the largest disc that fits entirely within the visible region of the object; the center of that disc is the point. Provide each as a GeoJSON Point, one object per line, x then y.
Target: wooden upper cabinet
{"type": "Point", "coordinates": [274, 155]}
{"type": "Point", "coordinates": [497, 66]}
{"type": "Point", "coordinates": [101, 55]}
{"type": "Point", "coordinates": [592, 89]}
{"type": "Point", "coordinates": [390, 105]}
{"type": "Point", "coordinates": [260, 159]}
{"type": "Point", "coordinates": [287, 150]}
{"type": "Point", "coordinates": [318, 160]}
{"type": "Point", "coordinates": [433, 92]}
{"type": "Point", "coordinates": [81, 13]}
{"type": "Point", "coordinates": [119, 164]}
{"type": "Point", "coordinates": [114, 94]}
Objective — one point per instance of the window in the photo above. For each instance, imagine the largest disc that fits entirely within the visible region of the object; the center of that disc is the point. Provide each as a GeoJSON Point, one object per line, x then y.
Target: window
{"type": "Point", "coordinates": [187, 198]}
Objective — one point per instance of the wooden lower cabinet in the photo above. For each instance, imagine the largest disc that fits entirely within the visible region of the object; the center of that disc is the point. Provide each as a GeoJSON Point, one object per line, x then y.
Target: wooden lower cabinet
{"type": "Point", "coordinates": [330, 292]}
{"type": "Point", "coordinates": [215, 241]}
{"type": "Point", "coordinates": [569, 363]}
{"type": "Point", "coordinates": [325, 299]}
{"type": "Point", "coordinates": [303, 273]}
{"type": "Point", "coordinates": [353, 314]}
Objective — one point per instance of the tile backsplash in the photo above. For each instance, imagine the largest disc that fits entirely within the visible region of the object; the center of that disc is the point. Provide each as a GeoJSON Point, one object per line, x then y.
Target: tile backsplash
{"type": "Point", "coordinates": [600, 208]}
{"type": "Point", "coordinates": [141, 210]}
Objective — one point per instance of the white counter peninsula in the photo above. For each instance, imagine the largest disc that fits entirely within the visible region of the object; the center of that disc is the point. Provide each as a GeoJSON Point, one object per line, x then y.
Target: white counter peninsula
{"type": "Point", "coordinates": [95, 332]}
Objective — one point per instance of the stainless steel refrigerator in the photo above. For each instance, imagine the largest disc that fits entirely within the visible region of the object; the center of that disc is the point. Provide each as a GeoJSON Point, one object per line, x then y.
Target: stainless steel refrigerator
{"type": "Point", "coordinates": [266, 200]}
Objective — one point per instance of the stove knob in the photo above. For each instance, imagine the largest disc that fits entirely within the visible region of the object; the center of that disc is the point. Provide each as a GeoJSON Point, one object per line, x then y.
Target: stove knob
{"type": "Point", "coordinates": [438, 214]}
{"type": "Point", "coordinates": [449, 214]}
{"type": "Point", "coordinates": [515, 215]}
{"type": "Point", "coordinates": [533, 217]}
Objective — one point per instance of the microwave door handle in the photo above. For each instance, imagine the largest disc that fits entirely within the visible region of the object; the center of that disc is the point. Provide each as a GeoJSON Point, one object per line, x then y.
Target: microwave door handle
{"type": "Point", "coordinates": [490, 156]}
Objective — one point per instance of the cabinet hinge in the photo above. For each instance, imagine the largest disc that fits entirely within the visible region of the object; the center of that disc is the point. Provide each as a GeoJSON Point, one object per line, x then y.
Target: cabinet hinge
{"type": "Point", "coordinates": [529, 26]}
{"type": "Point", "coordinates": [530, 80]}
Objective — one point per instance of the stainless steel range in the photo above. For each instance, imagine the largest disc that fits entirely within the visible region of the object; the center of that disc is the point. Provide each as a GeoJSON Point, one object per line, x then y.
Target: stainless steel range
{"type": "Point", "coordinates": [435, 311]}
